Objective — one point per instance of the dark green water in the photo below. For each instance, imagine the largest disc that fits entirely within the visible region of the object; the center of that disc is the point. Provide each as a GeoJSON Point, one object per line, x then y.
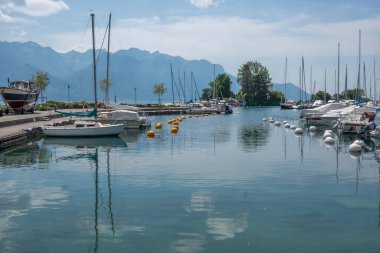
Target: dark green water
{"type": "Point", "coordinates": [225, 183]}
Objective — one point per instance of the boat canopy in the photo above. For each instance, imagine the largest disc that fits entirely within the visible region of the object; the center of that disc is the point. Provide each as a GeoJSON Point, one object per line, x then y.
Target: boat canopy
{"type": "Point", "coordinates": [93, 113]}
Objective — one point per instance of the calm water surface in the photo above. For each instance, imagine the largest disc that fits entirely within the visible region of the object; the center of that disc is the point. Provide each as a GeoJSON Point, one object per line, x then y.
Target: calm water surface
{"type": "Point", "coordinates": [225, 183]}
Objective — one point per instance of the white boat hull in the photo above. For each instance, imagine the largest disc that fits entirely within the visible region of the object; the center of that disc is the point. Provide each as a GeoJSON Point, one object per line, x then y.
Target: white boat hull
{"type": "Point", "coordinates": [73, 131]}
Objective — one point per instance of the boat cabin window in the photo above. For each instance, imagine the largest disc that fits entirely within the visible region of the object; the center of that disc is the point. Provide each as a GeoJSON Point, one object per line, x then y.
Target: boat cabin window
{"type": "Point", "coordinates": [79, 125]}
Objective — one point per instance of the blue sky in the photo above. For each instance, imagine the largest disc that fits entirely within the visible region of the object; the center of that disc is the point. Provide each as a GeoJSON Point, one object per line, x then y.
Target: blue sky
{"type": "Point", "coordinates": [227, 32]}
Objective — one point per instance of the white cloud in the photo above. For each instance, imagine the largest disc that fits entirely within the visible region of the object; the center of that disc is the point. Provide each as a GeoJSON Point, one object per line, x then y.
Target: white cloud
{"type": "Point", "coordinates": [231, 41]}
{"type": "Point", "coordinates": [37, 8]}
{"type": "Point", "coordinates": [4, 18]}
{"type": "Point", "coordinates": [204, 4]}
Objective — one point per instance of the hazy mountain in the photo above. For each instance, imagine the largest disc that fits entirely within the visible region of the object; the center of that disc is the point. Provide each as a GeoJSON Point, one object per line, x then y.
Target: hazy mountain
{"type": "Point", "coordinates": [292, 91]}
{"type": "Point", "coordinates": [129, 70]}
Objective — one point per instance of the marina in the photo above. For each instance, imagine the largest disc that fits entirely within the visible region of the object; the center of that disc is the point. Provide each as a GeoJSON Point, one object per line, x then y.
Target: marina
{"type": "Point", "coordinates": [222, 182]}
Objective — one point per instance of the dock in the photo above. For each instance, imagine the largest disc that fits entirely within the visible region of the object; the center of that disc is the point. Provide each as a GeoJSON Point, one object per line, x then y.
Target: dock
{"type": "Point", "coordinates": [16, 129]}
{"type": "Point", "coordinates": [19, 128]}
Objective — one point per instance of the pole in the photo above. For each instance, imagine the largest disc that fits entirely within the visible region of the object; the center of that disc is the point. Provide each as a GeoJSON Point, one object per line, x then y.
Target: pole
{"type": "Point", "coordinates": [324, 96]}
{"type": "Point", "coordinates": [337, 93]}
{"type": "Point", "coordinates": [94, 57]}
{"type": "Point", "coordinates": [345, 85]}
{"type": "Point", "coordinates": [108, 58]}
{"type": "Point", "coordinates": [135, 96]}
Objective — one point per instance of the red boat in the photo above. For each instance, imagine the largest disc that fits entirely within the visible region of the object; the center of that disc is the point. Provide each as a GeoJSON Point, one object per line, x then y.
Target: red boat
{"type": "Point", "coordinates": [21, 96]}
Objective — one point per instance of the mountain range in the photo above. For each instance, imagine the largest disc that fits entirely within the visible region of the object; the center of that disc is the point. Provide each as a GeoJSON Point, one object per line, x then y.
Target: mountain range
{"type": "Point", "coordinates": [130, 70]}
{"type": "Point", "coordinates": [133, 73]}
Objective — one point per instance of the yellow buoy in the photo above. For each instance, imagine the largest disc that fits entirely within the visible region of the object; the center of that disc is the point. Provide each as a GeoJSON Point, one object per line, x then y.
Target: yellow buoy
{"type": "Point", "coordinates": [175, 123]}
{"type": "Point", "coordinates": [150, 134]}
{"type": "Point", "coordinates": [159, 125]}
{"type": "Point", "coordinates": [170, 121]}
{"type": "Point", "coordinates": [183, 117]}
{"type": "Point", "coordinates": [174, 130]}
{"type": "Point", "coordinates": [190, 116]}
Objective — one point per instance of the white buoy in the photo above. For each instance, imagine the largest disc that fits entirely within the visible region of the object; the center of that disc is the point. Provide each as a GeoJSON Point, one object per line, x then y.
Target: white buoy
{"type": "Point", "coordinates": [264, 119]}
{"type": "Point", "coordinates": [328, 134]}
{"type": "Point", "coordinates": [271, 121]}
{"type": "Point", "coordinates": [287, 125]}
{"type": "Point", "coordinates": [285, 122]}
{"type": "Point", "coordinates": [355, 148]}
{"type": "Point", "coordinates": [298, 130]}
{"type": "Point", "coordinates": [277, 123]}
{"type": "Point", "coordinates": [312, 128]}
{"type": "Point", "coordinates": [329, 131]}
{"type": "Point", "coordinates": [329, 140]}
{"type": "Point", "coordinates": [293, 127]}
{"type": "Point", "coordinates": [361, 143]}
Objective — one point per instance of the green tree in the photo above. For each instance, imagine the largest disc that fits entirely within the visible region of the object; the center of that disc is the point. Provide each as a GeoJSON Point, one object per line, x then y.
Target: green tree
{"type": "Point", "coordinates": [222, 86]}
{"type": "Point", "coordinates": [159, 89]}
{"type": "Point", "coordinates": [41, 81]}
{"type": "Point", "coordinates": [275, 98]}
{"type": "Point", "coordinates": [105, 87]}
{"type": "Point", "coordinates": [351, 94]}
{"type": "Point", "coordinates": [320, 95]}
{"type": "Point", "coordinates": [206, 94]}
{"type": "Point", "coordinates": [254, 80]}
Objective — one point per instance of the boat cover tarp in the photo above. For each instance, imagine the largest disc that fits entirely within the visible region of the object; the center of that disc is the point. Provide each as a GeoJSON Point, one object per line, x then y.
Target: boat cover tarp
{"type": "Point", "coordinates": [93, 113]}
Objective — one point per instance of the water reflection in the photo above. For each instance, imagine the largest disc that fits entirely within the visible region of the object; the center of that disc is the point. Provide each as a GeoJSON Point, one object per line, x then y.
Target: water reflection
{"type": "Point", "coordinates": [226, 228]}
{"type": "Point", "coordinates": [253, 137]}
{"type": "Point", "coordinates": [25, 155]}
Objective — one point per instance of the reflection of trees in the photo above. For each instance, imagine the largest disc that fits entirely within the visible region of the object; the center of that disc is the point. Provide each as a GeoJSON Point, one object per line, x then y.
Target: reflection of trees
{"type": "Point", "coordinates": [27, 154]}
{"type": "Point", "coordinates": [252, 137]}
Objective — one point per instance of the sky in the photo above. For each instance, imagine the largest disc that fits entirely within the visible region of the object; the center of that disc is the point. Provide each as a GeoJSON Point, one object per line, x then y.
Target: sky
{"type": "Point", "coordinates": [226, 32]}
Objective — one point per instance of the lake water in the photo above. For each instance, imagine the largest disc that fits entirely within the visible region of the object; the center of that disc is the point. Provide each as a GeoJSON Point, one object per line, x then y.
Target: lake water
{"type": "Point", "coordinates": [224, 183]}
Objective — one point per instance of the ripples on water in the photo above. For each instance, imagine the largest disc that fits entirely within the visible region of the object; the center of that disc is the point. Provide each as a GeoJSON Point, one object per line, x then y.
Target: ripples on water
{"type": "Point", "coordinates": [225, 183]}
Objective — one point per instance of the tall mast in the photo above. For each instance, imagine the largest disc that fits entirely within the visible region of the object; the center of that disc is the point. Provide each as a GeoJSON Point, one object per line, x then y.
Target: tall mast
{"type": "Point", "coordinates": [171, 74]}
{"type": "Point", "coordinates": [286, 71]}
{"type": "Point", "coordinates": [364, 81]}
{"type": "Point", "coordinates": [94, 57]}
{"type": "Point", "coordinates": [358, 82]}
{"type": "Point", "coordinates": [214, 88]}
{"type": "Point", "coordinates": [324, 96]}
{"type": "Point", "coordinates": [300, 83]}
{"type": "Point", "coordinates": [108, 59]}
{"type": "Point", "coordinates": [337, 93]}
{"type": "Point", "coordinates": [345, 85]}
{"type": "Point", "coordinates": [311, 81]}
{"type": "Point", "coordinates": [374, 80]}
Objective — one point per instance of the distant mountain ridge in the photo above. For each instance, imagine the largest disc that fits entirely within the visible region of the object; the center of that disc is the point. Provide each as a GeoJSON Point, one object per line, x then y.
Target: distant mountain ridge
{"type": "Point", "coordinates": [293, 92]}
{"type": "Point", "coordinates": [130, 70]}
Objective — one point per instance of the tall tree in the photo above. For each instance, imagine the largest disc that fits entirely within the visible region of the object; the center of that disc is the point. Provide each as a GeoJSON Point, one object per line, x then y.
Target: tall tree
{"type": "Point", "coordinates": [41, 81]}
{"type": "Point", "coordinates": [105, 87]}
{"type": "Point", "coordinates": [222, 84]}
{"type": "Point", "coordinates": [320, 95]}
{"type": "Point", "coordinates": [159, 89]}
{"type": "Point", "coordinates": [254, 80]}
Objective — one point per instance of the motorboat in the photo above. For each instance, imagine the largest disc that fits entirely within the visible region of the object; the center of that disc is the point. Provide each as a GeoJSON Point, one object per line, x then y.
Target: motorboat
{"type": "Point", "coordinates": [331, 117]}
{"type": "Point", "coordinates": [21, 96]}
{"type": "Point", "coordinates": [130, 119]}
{"type": "Point", "coordinates": [354, 123]}
{"type": "Point", "coordinates": [323, 109]}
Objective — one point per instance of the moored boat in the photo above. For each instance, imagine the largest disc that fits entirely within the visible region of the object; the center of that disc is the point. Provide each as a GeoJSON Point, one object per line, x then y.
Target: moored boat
{"type": "Point", "coordinates": [21, 96]}
{"type": "Point", "coordinates": [83, 129]}
{"type": "Point", "coordinates": [130, 119]}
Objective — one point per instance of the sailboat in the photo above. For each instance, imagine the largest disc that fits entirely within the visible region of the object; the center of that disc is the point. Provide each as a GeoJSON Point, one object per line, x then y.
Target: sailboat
{"type": "Point", "coordinates": [286, 104]}
{"type": "Point", "coordinates": [86, 128]}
